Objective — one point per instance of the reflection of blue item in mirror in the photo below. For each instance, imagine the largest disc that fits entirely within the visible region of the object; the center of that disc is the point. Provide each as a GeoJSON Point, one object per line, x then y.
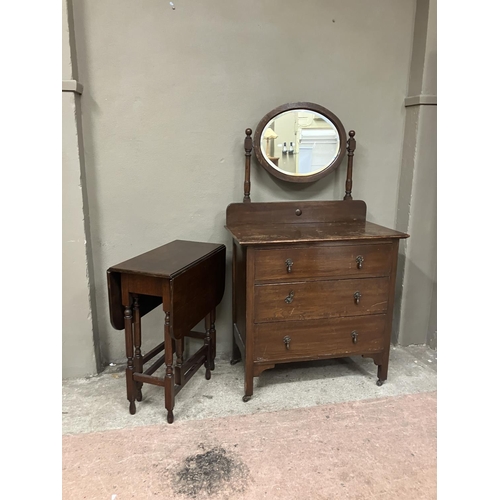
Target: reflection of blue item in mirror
{"type": "Point", "coordinates": [305, 158]}
{"type": "Point", "coordinates": [318, 148]}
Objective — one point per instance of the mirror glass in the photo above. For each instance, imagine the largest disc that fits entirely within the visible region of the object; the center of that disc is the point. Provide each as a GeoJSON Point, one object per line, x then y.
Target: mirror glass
{"type": "Point", "coordinates": [300, 142]}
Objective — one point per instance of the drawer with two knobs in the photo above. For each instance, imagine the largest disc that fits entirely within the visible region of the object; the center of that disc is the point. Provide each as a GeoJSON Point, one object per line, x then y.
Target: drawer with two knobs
{"type": "Point", "coordinates": [322, 261]}
{"type": "Point", "coordinates": [309, 300]}
{"type": "Point", "coordinates": [302, 340]}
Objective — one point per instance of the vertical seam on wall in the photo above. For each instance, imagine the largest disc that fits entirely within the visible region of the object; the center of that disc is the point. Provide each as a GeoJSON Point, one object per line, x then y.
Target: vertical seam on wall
{"type": "Point", "coordinates": [407, 224]}
{"type": "Point", "coordinates": [75, 87]}
{"type": "Point", "coordinates": [404, 247]}
{"type": "Point", "coordinates": [72, 41]}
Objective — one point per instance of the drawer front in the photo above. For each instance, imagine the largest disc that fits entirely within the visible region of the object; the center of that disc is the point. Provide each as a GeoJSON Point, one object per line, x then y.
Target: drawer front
{"type": "Point", "coordinates": [320, 299]}
{"type": "Point", "coordinates": [320, 338]}
{"type": "Point", "coordinates": [298, 263]}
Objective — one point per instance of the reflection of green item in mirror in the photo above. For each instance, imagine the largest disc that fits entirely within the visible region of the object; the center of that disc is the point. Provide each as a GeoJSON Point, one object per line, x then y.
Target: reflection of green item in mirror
{"type": "Point", "coordinates": [269, 135]}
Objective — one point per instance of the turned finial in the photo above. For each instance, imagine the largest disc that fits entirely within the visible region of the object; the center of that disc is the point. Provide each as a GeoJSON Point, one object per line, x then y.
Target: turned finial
{"type": "Point", "coordinates": [351, 146]}
{"type": "Point", "coordinates": [248, 153]}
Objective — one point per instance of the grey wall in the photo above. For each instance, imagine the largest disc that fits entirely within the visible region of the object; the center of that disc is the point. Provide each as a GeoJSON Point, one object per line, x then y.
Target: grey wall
{"type": "Point", "coordinates": [169, 93]}
{"type": "Point", "coordinates": [416, 314]}
{"type": "Point", "coordinates": [80, 350]}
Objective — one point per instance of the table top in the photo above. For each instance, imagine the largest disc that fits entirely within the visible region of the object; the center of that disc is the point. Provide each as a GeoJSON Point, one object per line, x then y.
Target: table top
{"type": "Point", "coordinates": [168, 260]}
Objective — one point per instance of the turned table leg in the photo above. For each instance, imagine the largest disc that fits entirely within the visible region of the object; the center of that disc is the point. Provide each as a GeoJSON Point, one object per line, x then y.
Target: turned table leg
{"type": "Point", "coordinates": [208, 342]}
{"type": "Point", "coordinates": [169, 376]}
{"type": "Point", "coordinates": [213, 336]}
{"type": "Point", "coordinates": [179, 359]}
{"type": "Point", "coordinates": [138, 364]}
{"type": "Point", "coordinates": [129, 348]}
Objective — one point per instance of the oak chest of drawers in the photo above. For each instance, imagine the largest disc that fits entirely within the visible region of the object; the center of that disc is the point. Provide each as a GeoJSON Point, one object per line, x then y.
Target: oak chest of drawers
{"type": "Point", "coordinates": [311, 280]}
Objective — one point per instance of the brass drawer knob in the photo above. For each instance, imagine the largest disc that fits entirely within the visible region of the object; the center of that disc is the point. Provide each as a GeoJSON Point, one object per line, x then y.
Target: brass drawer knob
{"type": "Point", "coordinates": [289, 299]}
{"type": "Point", "coordinates": [357, 297]}
{"type": "Point", "coordinates": [354, 336]}
{"type": "Point", "coordinates": [289, 264]}
{"type": "Point", "coordinates": [359, 261]}
{"type": "Point", "coordinates": [287, 341]}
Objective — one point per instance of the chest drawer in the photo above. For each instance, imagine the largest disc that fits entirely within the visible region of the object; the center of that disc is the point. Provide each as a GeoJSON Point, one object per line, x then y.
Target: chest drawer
{"type": "Point", "coordinates": [317, 261]}
{"type": "Point", "coordinates": [320, 299]}
{"type": "Point", "coordinates": [320, 338]}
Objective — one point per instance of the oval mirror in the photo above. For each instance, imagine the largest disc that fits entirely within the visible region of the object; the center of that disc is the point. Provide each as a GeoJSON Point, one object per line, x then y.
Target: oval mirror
{"type": "Point", "coordinates": [300, 142]}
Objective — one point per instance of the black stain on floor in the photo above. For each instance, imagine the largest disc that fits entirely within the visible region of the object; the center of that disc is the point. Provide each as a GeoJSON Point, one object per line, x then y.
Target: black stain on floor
{"type": "Point", "coordinates": [211, 472]}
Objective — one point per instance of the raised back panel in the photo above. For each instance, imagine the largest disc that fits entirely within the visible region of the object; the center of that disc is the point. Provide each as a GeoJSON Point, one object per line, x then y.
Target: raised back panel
{"type": "Point", "coordinates": [295, 212]}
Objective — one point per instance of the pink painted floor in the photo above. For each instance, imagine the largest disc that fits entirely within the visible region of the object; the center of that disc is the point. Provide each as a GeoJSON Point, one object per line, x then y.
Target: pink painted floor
{"type": "Point", "coordinates": [370, 449]}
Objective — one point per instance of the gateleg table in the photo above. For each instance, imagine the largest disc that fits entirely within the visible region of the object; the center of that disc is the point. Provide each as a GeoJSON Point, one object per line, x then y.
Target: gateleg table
{"type": "Point", "coordinates": [188, 279]}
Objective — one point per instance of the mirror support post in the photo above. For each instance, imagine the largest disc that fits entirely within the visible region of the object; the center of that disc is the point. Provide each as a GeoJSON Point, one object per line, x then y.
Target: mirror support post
{"type": "Point", "coordinates": [248, 157]}
{"type": "Point", "coordinates": [351, 147]}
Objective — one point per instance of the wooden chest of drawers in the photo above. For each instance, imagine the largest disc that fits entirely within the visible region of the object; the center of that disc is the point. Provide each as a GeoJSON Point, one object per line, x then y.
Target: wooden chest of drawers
{"type": "Point", "coordinates": [311, 280]}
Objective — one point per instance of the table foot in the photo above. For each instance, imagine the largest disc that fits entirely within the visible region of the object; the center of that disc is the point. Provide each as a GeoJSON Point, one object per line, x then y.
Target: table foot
{"type": "Point", "coordinates": [246, 398]}
{"type": "Point", "coordinates": [138, 395]}
{"type": "Point", "coordinates": [170, 417]}
{"type": "Point", "coordinates": [131, 408]}
{"type": "Point", "coordinates": [380, 382]}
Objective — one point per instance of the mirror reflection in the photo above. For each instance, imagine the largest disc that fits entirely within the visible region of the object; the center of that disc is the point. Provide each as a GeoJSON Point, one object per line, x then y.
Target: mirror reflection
{"type": "Point", "coordinates": [300, 142]}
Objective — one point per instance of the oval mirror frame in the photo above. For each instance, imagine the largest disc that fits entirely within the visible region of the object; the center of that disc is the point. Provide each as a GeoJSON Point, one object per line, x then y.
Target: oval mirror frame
{"type": "Point", "coordinates": [303, 106]}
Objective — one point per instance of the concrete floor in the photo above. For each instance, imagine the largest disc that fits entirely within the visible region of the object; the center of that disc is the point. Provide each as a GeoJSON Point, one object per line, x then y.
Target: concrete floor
{"type": "Point", "coordinates": [99, 403]}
